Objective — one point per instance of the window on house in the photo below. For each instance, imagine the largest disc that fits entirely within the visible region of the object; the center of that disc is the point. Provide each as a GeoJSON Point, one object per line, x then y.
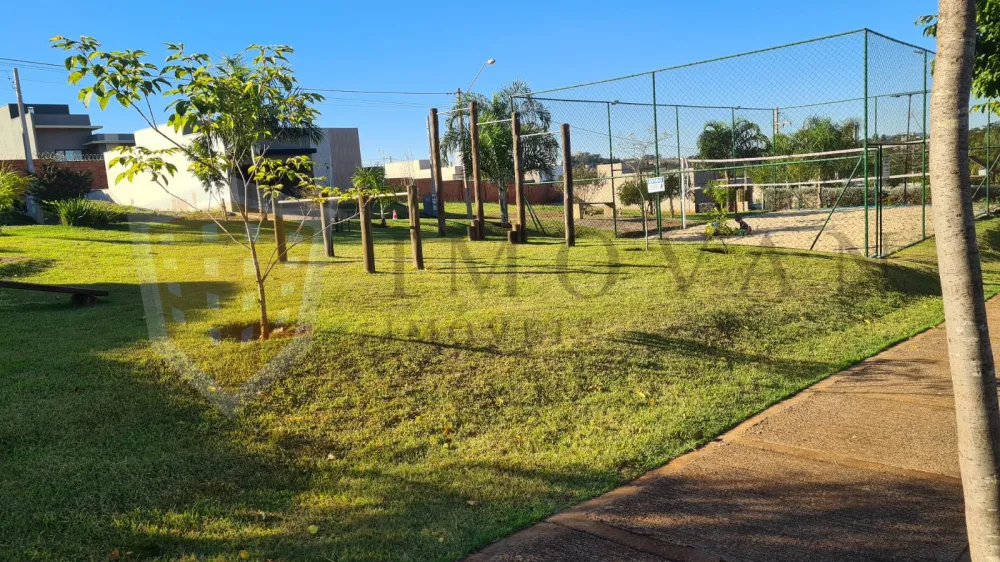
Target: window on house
{"type": "Point", "coordinates": [70, 155]}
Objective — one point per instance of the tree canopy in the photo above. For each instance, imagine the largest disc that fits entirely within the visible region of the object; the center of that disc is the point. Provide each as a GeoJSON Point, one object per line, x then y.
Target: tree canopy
{"type": "Point", "coordinates": [986, 65]}
{"type": "Point", "coordinates": [742, 139]}
{"type": "Point", "coordinates": [496, 142]}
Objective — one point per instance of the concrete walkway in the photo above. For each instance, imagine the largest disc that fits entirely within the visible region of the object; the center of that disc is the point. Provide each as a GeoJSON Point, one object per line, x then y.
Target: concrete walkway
{"type": "Point", "coordinates": [860, 467]}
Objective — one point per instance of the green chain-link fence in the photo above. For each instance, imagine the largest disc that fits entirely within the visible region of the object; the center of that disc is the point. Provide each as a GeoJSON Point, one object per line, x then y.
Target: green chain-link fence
{"type": "Point", "coordinates": [820, 144]}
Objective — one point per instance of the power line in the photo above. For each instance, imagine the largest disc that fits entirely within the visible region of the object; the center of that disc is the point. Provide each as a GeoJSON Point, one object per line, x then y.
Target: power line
{"type": "Point", "coordinates": [386, 92]}
{"type": "Point", "coordinates": [342, 91]}
{"type": "Point", "coordinates": [32, 62]}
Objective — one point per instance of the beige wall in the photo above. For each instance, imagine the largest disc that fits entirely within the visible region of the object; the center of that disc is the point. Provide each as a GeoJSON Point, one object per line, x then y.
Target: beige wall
{"type": "Point", "coordinates": [143, 192]}
{"type": "Point", "coordinates": [11, 143]}
{"type": "Point", "coordinates": [420, 169]}
{"type": "Point", "coordinates": [600, 192]}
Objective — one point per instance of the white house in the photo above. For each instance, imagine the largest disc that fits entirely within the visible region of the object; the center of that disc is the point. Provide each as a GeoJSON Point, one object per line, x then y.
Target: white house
{"type": "Point", "coordinates": [420, 169]}
{"type": "Point", "coordinates": [335, 157]}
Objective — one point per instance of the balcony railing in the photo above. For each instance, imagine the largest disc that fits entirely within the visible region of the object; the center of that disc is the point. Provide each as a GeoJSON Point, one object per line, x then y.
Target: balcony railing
{"type": "Point", "coordinates": [69, 156]}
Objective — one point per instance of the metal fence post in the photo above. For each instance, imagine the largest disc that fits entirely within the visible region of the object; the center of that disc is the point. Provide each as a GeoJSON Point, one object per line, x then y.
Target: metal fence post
{"type": "Point", "coordinates": [656, 144]}
{"type": "Point", "coordinates": [436, 170]}
{"type": "Point", "coordinates": [680, 169]}
{"type": "Point", "coordinates": [732, 154]}
{"type": "Point", "coordinates": [774, 152]}
{"type": "Point", "coordinates": [989, 163]}
{"type": "Point", "coordinates": [611, 158]}
{"type": "Point", "coordinates": [568, 187]}
{"type": "Point", "coordinates": [865, 143]}
{"type": "Point", "coordinates": [875, 117]}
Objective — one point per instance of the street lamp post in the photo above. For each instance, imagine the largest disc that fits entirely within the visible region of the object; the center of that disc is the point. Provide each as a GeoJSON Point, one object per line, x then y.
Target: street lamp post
{"type": "Point", "coordinates": [461, 130]}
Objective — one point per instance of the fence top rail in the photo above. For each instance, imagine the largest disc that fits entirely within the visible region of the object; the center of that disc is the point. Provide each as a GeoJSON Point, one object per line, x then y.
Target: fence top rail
{"type": "Point", "coordinates": [540, 134]}
{"type": "Point", "coordinates": [337, 199]}
{"type": "Point", "coordinates": [789, 157]}
{"type": "Point", "coordinates": [508, 121]}
{"type": "Point", "coordinates": [640, 104]}
{"type": "Point", "coordinates": [737, 55]}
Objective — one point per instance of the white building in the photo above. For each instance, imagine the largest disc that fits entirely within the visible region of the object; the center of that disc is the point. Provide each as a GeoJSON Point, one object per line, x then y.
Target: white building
{"type": "Point", "coordinates": [418, 169]}
{"type": "Point", "coordinates": [335, 157]}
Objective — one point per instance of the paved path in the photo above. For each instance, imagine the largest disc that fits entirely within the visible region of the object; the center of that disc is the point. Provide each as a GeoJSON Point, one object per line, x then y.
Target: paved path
{"type": "Point", "coordinates": [860, 467]}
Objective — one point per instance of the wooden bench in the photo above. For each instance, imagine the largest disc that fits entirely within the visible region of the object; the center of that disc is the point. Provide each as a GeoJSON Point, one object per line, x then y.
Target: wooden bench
{"type": "Point", "coordinates": [78, 295]}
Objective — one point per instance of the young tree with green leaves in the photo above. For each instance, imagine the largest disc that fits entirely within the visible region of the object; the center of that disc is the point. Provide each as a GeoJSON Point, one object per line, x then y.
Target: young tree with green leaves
{"type": "Point", "coordinates": [986, 64]}
{"type": "Point", "coordinates": [496, 142]}
{"type": "Point", "coordinates": [371, 180]}
{"type": "Point", "coordinates": [231, 112]}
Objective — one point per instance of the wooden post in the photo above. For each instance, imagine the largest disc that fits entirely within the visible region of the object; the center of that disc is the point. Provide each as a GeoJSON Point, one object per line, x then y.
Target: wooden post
{"type": "Point", "coordinates": [324, 223]}
{"type": "Point", "coordinates": [436, 170]}
{"type": "Point", "coordinates": [477, 180]}
{"type": "Point", "coordinates": [367, 242]}
{"type": "Point", "coordinates": [568, 186]}
{"type": "Point", "coordinates": [414, 211]}
{"type": "Point", "coordinates": [521, 232]}
{"type": "Point", "coordinates": [279, 231]}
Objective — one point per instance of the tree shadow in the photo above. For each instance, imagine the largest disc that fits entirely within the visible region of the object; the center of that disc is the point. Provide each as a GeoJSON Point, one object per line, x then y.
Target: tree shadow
{"type": "Point", "coordinates": [739, 503]}
{"type": "Point", "coordinates": [12, 268]}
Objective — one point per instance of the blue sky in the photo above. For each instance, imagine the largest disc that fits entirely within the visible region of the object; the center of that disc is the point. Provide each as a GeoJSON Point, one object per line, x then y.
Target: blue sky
{"type": "Point", "coordinates": [436, 46]}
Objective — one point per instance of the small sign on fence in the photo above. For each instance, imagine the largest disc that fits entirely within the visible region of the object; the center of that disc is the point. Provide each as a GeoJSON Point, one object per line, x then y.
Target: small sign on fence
{"type": "Point", "coordinates": [656, 185]}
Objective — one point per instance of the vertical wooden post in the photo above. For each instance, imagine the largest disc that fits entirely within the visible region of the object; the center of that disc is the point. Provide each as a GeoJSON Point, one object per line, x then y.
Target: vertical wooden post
{"type": "Point", "coordinates": [477, 180]}
{"type": "Point", "coordinates": [413, 207]}
{"type": "Point", "coordinates": [436, 170]}
{"type": "Point", "coordinates": [568, 186]}
{"type": "Point", "coordinates": [279, 230]}
{"type": "Point", "coordinates": [324, 223]}
{"type": "Point", "coordinates": [367, 243]}
{"type": "Point", "coordinates": [521, 233]}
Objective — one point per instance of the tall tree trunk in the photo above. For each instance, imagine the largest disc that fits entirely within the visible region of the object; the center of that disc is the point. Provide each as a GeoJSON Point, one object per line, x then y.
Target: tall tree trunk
{"type": "Point", "coordinates": [969, 352]}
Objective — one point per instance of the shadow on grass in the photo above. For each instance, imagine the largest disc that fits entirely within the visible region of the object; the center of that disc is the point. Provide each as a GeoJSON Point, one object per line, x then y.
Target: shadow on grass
{"type": "Point", "coordinates": [12, 268]}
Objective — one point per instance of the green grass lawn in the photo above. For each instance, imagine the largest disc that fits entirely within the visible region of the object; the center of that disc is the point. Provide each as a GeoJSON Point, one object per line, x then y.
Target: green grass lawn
{"type": "Point", "coordinates": [428, 413]}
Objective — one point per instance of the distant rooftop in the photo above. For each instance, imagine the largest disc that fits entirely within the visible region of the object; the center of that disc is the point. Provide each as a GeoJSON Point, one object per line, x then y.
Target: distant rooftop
{"type": "Point", "coordinates": [39, 109]}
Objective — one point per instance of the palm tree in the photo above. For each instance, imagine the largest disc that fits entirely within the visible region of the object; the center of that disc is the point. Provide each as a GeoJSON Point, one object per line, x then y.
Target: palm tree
{"type": "Point", "coordinates": [970, 356]}
{"type": "Point", "coordinates": [720, 140]}
{"type": "Point", "coordinates": [496, 144]}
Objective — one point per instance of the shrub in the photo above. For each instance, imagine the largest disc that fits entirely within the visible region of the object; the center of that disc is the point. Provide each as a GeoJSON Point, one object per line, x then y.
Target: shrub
{"type": "Point", "coordinates": [12, 187]}
{"type": "Point", "coordinates": [84, 212]}
{"type": "Point", "coordinates": [55, 183]}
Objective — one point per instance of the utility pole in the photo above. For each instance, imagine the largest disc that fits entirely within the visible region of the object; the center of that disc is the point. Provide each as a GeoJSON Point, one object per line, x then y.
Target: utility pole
{"type": "Point", "coordinates": [778, 123]}
{"type": "Point", "coordinates": [29, 164]}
